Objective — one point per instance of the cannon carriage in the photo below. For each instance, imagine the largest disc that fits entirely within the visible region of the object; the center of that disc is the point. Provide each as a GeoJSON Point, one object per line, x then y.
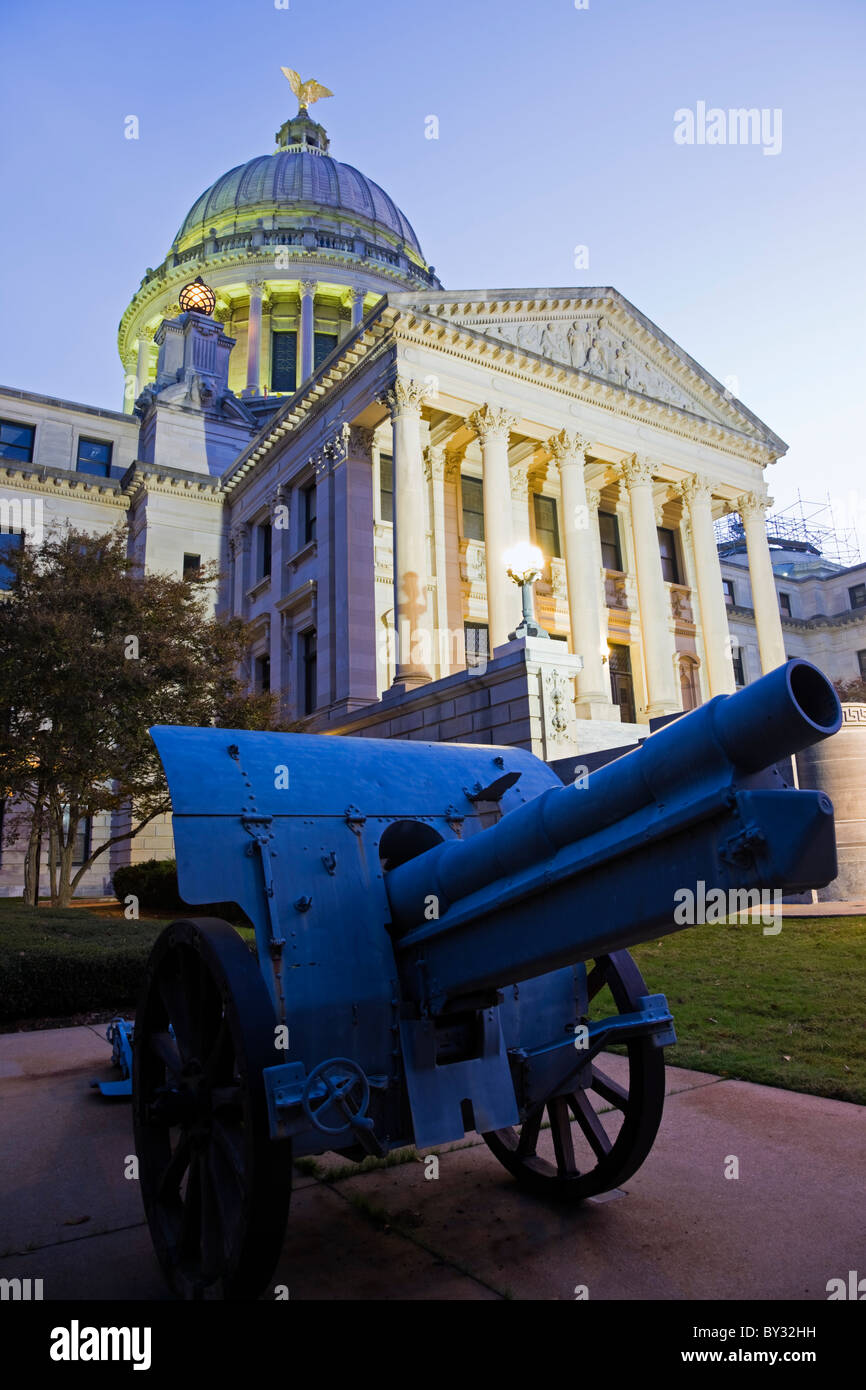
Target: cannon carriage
{"type": "Point", "coordinates": [441, 941]}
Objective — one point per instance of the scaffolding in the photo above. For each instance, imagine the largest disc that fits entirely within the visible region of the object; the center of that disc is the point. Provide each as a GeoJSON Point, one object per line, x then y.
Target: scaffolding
{"type": "Point", "coordinates": [805, 524]}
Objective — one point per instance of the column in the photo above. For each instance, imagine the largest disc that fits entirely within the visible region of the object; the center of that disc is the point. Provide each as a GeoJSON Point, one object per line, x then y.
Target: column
{"type": "Point", "coordinates": [493, 424]}
{"type": "Point", "coordinates": [239, 545]}
{"type": "Point", "coordinates": [142, 367]}
{"type": "Point", "coordinates": [326, 593]}
{"type": "Point", "coordinates": [357, 306]}
{"type": "Point", "coordinates": [656, 635]}
{"type": "Point", "coordinates": [254, 336]}
{"type": "Point", "coordinates": [354, 571]}
{"type": "Point", "coordinates": [434, 469]}
{"type": "Point", "coordinates": [308, 327]}
{"type": "Point", "coordinates": [698, 494]}
{"type": "Point", "coordinates": [278, 510]}
{"type": "Point", "coordinates": [752, 507]}
{"type": "Point", "coordinates": [411, 621]}
{"type": "Point", "coordinates": [581, 569]}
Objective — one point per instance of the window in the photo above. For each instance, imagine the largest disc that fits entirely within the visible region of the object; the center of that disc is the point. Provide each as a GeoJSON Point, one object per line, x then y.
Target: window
{"type": "Point", "coordinates": [608, 528]}
{"type": "Point", "coordinates": [308, 670]}
{"type": "Point", "coordinates": [263, 550]}
{"type": "Point", "coordinates": [739, 671]}
{"type": "Point", "coordinates": [668, 552]}
{"type": "Point", "coordinates": [83, 837]}
{"type": "Point", "coordinates": [82, 845]}
{"type": "Point", "coordinates": [16, 441]}
{"type": "Point", "coordinates": [323, 346]}
{"type": "Point", "coordinates": [476, 638]}
{"type": "Point", "coordinates": [621, 683]}
{"type": "Point", "coordinates": [94, 456]}
{"type": "Point", "coordinates": [263, 674]}
{"type": "Point", "coordinates": [857, 595]}
{"type": "Point", "coordinates": [386, 487]}
{"type": "Point", "coordinates": [546, 525]}
{"type": "Point", "coordinates": [785, 604]}
{"type": "Point", "coordinates": [472, 492]}
{"type": "Point", "coordinates": [284, 361]}
{"type": "Point", "coordinates": [191, 566]}
{"type": "Point", "coordinates": [9, 541]}
{"type": "Point", "coordinates": [861, 662]}
{"type": "Point", "coordinates": [308, 513]}
{"type": "Point", "coordinates": [728, 591]}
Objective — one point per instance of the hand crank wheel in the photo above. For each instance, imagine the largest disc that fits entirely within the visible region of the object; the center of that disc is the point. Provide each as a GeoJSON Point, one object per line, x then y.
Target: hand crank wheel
{"type": "Point", "coordinates": [584, 1152]}
{"type": "Point", "coordinates": [215, 1186]}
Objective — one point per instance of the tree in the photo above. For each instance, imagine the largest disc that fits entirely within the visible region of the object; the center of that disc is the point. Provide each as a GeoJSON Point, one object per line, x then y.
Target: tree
{"type": "Point", "coordinates": [92, 653]}
{"type": "Point", "coordinates": [853, 691]}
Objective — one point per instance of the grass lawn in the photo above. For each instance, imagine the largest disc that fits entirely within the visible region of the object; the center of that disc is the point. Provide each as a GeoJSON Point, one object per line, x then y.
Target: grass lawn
{"type": "Point", "coordinates": [784, 1010]}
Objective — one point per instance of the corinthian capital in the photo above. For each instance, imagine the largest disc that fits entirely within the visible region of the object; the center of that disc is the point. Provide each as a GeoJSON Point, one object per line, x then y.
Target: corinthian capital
{"type": "Point", "coordinates": [753, 505]}
{"type": "Point", "coordinates": [308, 288]}
{"type": "Point", "coordinates": [361, 440]}
{"type": "Point", "coordinates": [405, 397]}
{"type": "Point", "coordinates": [568, 446]}
{"type": "Point", "coordinates": [696, 488]}
{"type": "Point", "coordinates": [491, 420]}
{"type": "Point", "coordinates": [637, 471]}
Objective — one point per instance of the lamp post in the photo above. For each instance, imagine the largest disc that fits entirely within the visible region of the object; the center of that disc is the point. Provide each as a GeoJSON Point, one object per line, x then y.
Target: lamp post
{"type": "Point", "coordinates": [524, 565]}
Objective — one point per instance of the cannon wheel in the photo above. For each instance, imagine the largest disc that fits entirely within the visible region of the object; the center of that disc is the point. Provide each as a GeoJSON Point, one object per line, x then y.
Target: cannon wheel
{"type": "Point", "coordinates": [215, 1186]}
{"type": "Point", "coordinates": [599, 1161]}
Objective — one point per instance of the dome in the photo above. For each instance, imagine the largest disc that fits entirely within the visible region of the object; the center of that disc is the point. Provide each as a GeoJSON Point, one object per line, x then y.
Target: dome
{"type": "Point", "coordinates": [291, 182]}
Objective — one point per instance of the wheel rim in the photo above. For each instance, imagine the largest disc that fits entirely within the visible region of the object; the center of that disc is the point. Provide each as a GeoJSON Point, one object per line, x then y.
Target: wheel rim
{"type": "Point", "coordinates": [215, 1187]}
{"type": "Point", "coordinates": [592, 1156]}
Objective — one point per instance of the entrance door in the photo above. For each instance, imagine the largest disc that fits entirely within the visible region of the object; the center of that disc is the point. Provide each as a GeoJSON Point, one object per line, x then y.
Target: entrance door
{"type": "Point", "coordinates": [621, 684]}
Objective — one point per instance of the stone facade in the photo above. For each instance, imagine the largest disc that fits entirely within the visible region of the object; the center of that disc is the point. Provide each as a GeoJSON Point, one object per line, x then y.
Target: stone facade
{"type": "Point", "coordinates": [361, 520]}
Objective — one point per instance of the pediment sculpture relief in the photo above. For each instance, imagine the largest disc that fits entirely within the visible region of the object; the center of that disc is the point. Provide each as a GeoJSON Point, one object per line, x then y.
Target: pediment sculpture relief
{"type": "Point", "coordinates": [592, 346]}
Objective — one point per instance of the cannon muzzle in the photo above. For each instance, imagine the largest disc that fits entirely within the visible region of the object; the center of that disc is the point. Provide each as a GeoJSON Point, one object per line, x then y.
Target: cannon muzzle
{"type": "Point", "coordinates": [703, 787]}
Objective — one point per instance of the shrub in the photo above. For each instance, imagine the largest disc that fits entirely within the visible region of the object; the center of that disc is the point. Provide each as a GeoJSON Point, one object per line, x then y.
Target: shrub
{"type": "Point", "coordinates": [154, 883]}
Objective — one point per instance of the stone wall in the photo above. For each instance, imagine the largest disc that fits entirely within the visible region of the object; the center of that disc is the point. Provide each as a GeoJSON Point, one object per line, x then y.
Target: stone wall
{"type": "Point", "coordinates": [524, 698]}
{"type": "Point", "coordinates": [838, 767]}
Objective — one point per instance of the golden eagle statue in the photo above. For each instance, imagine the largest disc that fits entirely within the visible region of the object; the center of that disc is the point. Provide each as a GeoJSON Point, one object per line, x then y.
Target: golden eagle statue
{"type": "Point", "coordinates": [306, 92]}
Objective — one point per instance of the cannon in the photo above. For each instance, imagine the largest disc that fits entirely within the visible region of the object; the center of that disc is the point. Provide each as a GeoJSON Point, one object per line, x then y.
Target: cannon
{"type": "Point", "coordinates": [441, 936]}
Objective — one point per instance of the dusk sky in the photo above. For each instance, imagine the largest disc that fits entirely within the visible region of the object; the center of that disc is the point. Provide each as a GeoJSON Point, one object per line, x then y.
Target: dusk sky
{"type": "Point", "coordinates": [556, 130]}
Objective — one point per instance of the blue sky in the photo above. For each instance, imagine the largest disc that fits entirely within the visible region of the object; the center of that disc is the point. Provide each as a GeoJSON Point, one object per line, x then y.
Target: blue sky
{"type": "Point", "coordinates": [556, 129]}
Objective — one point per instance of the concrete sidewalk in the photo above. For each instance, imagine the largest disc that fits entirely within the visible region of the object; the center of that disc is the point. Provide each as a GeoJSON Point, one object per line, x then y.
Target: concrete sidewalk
{"type": "Point", "coordinates": [794, 1219]}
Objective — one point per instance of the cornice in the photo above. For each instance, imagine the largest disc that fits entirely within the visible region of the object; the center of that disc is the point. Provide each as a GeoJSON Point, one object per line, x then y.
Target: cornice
{"type": "Point", "coordinates": [75, 485]}
{"type": "Point", "coordinates": [152, 479]}
{"type": "Point", "coordinates": [652, 339]}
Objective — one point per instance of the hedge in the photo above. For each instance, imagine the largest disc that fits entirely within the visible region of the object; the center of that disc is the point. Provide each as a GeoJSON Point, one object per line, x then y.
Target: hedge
{"type": "Point", "coordinates": [60, 961]}
{"type": "Point", "coordinates": [154, 883]}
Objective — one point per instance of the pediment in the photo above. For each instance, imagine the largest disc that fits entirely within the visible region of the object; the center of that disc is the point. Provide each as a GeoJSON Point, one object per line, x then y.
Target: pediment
{"type": "Point", "coordinates": [602, 336]}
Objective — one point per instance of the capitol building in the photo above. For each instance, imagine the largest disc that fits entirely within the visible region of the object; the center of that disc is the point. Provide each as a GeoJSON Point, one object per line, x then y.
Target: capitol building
{"type": "Point", "coordinates": [361, 450]}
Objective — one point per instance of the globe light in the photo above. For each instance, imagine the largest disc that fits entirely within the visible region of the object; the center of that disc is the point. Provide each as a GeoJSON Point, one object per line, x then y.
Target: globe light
{"type": "Point", "coordinates": [197, 297]}
{"type": "Point", "coordinates": [524, 562]}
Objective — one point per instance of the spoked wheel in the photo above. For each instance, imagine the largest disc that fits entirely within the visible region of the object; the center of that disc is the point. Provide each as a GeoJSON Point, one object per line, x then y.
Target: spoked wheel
{"type": "Point", "coordinates": [215, 1186]}
{"type": "Point", "coordinates": [572, 1161]}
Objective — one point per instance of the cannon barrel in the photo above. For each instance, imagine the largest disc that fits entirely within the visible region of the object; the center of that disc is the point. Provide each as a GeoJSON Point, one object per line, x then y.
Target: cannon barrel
{"type": "Point", "coordinates": [695, 770]}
